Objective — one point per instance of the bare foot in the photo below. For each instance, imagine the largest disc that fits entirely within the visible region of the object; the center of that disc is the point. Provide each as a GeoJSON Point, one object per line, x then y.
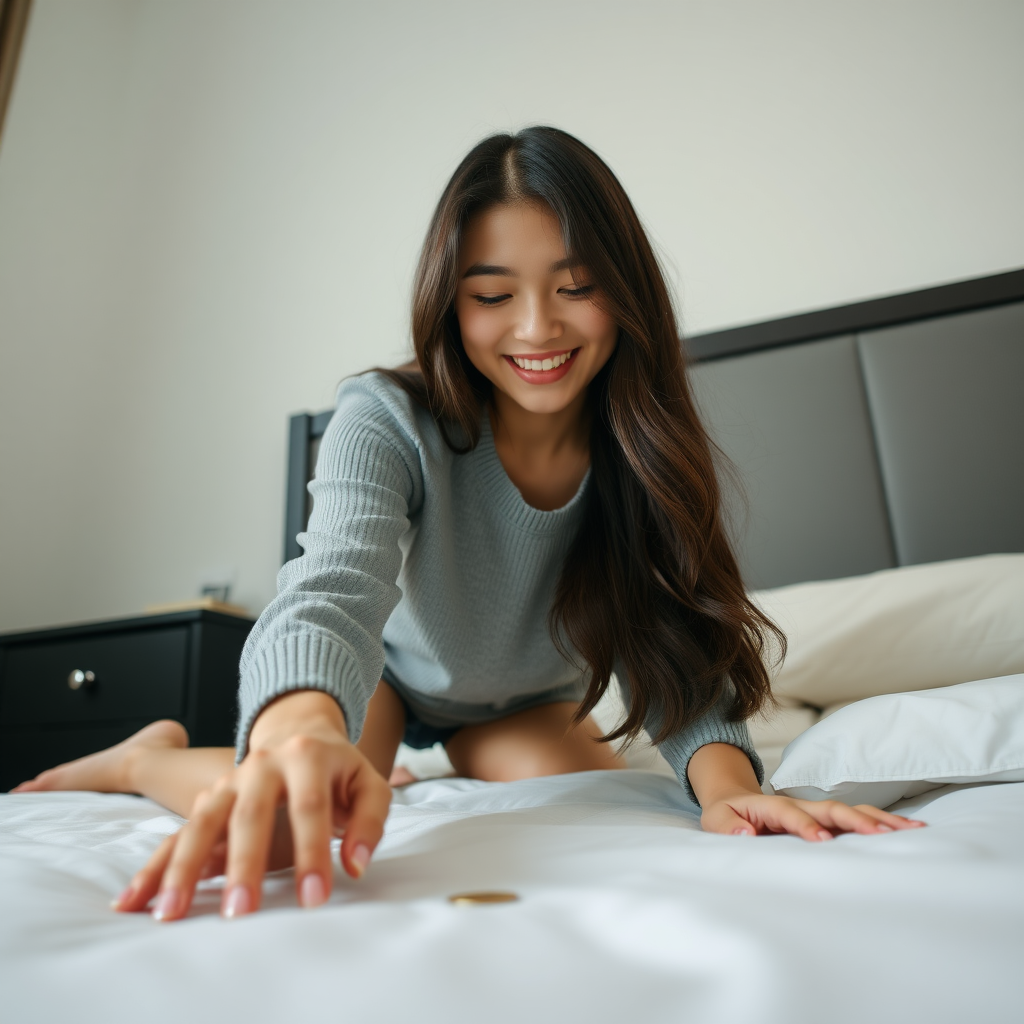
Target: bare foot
{"type": "Point", "coordinates": [107, 771]}
{"type": "Point", "coordinates": [402, 777]}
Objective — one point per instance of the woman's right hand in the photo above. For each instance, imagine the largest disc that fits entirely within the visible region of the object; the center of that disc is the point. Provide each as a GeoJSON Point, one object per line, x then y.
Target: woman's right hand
{"type": "Point", "coordinates": [300, 759]}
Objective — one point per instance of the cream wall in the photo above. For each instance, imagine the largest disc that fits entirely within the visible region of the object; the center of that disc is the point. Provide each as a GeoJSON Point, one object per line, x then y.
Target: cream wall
{"type": "Point", "coordinates": [209, 213]}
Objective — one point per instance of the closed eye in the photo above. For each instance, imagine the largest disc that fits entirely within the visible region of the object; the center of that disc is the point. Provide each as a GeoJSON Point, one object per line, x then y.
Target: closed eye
{"type": "Point", "coordinates": [577, 293]}
{"type": "Point", "coordinates": [570, 293]}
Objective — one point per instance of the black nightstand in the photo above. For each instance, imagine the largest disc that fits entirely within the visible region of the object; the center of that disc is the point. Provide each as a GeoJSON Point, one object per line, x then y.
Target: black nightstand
{"type": "Point", "coordinates": [70, 691]}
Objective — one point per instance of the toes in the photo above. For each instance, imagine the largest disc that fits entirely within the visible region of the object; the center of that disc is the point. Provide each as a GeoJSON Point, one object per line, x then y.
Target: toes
{"type": "Point", "coordinates": [401, 777]}
{"type": "Point", "coordinates": [47, 780]}
{"type": "Point", "coordinates": [39, 784]}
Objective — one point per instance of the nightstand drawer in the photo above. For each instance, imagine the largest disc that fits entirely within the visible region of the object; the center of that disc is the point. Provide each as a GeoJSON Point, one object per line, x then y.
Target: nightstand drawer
{"type": "Point", "coordinates": [138, 675]}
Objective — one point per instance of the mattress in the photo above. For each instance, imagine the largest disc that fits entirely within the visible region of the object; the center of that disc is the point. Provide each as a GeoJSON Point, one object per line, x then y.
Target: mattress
{"type": "Point", "coordinates": [626, 910]}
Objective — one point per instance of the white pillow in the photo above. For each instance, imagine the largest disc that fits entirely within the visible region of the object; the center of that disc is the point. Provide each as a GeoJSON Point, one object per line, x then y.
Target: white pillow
{"type": "Point", "coordinates": [911, 628]}
{"type": "Point", "coordinates": [771, 733]}
{"type": "Point", "coordinates": [879, 750]}
{"type": "Point", "coordinates": [780, 726]}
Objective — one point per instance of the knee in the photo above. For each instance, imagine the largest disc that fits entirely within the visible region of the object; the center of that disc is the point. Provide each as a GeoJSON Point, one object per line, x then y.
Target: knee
{"type": "Point", "coordinates": [534, 761]}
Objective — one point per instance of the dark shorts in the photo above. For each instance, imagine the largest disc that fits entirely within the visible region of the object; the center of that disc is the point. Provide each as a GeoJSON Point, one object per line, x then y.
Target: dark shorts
{"type": "Point", "coordinates": [419, 735]}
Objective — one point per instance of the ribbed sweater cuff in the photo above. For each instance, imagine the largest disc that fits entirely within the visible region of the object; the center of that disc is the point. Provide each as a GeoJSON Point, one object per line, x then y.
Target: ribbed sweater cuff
{"type": "Point", "coordinates": [710, 729]}
{"type": "Point", "coordinates": [300, 662]}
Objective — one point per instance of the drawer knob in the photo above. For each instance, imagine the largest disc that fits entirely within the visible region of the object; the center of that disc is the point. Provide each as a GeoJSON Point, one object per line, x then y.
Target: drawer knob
{"type": "Point", "coordinates": [80, 679]}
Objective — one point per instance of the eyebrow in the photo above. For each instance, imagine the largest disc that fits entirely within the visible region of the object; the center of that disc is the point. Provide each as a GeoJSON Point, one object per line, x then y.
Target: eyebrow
{"type": "Point", "coordinates": [493, 270]}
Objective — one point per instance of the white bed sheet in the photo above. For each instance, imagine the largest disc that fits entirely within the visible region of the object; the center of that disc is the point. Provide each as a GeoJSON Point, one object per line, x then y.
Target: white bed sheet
{"type": "Point", "coordinates": [627, 912]}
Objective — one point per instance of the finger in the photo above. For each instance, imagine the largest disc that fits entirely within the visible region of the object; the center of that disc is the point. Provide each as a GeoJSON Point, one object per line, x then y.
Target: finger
{"type": "Point", "coordinates": [726, 821]}
{"type": "Point", "coordinates": [217, 861]}
{"type": "Point", "coordinates": [842, 818]}
{"type": "Point", "coordinates": [197, 838]}
{"type": "Point", "coordinates": [282, 850]}
{"type": "Point", "coordinates": [789, 816]}
{"type": "Point", "coordinates": [145, 883]}
{"type": "Point", "coordinates": [894, 821]}
{"type": "Point", "coordinates": [309, 813]}
{"type": "Point", "coordinates": [365, 797]}
{"type": "Point", "coordinates": [250, 831]}
{"type": "Point", "coordinates": [839, 816]}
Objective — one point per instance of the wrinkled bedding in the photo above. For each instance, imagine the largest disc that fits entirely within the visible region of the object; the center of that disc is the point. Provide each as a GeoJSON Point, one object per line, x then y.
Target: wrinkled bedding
{"type": "Point", "coordinates": [627, 911]}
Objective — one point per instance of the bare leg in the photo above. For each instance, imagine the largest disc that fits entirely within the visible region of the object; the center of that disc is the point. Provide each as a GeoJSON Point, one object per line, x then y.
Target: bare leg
{"type": "Point", "coordinates": [382, 732]}
{"type": "Point", "coordinates": [175, 778]}
{"type": "Point", "coordinates": [538, 741]}
{"type": "Point", "coordinates": [158, 763]}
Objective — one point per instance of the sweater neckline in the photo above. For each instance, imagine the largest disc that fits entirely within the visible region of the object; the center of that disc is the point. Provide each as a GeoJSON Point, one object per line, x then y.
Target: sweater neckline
{"type": "Point", "coordinates": [506, 495]}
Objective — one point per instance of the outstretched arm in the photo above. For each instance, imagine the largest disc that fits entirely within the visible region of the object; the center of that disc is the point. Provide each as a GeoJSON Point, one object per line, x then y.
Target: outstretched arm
{"type": "Point", "coordinates": [732, 802]}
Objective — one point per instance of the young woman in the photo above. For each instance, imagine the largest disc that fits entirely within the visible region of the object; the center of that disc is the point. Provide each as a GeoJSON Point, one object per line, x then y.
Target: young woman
{"type": "Point", "coordinates": [496, 528]}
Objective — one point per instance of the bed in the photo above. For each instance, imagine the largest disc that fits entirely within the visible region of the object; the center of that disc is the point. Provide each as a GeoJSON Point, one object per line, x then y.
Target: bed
{"type": "Point", "coordinates": [880, 445]}
{"type": "Point", "coordinates": [626, 911]}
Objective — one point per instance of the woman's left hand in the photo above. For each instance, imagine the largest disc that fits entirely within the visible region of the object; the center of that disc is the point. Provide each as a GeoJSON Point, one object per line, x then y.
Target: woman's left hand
{"type": "Point", "coordinates": [813, 820]}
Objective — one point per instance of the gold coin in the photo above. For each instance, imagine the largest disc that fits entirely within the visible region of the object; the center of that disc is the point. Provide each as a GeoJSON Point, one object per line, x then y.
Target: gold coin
{"type": "Point", "coordinates": [465, 899]}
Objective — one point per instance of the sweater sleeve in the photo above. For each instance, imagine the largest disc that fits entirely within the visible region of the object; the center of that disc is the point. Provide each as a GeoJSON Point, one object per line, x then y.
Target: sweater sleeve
{"type": "Point", "coordinates": [709, 728]}
{"type": "Point", "coordinates": [323, 630]}
{"type": "Point", "coordinates": [712, 727]}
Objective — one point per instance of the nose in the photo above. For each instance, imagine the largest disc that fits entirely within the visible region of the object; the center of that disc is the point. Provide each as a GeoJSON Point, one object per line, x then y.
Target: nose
{"type": "Point", "coordinates": [536, 324]}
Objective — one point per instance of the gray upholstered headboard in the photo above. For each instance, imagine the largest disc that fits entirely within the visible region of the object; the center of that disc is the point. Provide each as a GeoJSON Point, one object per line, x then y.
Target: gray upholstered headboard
{"type": "Point", "coordinates": [872, 435]}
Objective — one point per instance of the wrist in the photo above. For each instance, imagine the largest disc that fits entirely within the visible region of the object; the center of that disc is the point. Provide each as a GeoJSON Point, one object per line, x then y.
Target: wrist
{"type": "Point", "coordinates": [726, 793]}
{"type": "Point", "coordinates": [720, 771]}
{"type": "Point", "coordinates": [307, 711]}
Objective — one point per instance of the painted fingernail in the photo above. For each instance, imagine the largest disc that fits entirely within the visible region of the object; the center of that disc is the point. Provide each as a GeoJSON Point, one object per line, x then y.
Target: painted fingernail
{"type": "Point", "coordinates": [823, 835]}
{"type": "Point", "coordinates": [360, 858]}
{"type": "Point", "coordinates": [880, 827]}
{"type": "Point", "coordinates": [236, 901]}
{"type": "Point", "coordinates": [124, 898]}
{"type": "Point", "coordinates": [311, 893]}
{"type": "Point", "coordinates": [167, 904]}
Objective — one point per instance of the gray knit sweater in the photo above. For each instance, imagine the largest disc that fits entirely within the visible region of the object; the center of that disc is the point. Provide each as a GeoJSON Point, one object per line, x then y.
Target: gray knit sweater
{"type": "Point", "coordinates": [427, 568]}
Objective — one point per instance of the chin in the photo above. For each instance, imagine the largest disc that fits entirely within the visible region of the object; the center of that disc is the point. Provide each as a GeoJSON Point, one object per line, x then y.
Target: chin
{"type": "Point", "coordinates": [541, 398]}
{"type": "Point", "coordinates": [545, 405]}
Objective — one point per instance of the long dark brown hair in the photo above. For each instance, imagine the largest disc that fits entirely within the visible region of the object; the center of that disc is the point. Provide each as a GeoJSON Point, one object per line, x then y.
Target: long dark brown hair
{"type": "Point", "coordinates": [650, 584]}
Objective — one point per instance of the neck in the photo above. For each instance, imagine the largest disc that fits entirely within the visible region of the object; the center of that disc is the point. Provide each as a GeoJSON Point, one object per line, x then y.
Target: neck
{"type": "Point", "coordinates": [540, 435]}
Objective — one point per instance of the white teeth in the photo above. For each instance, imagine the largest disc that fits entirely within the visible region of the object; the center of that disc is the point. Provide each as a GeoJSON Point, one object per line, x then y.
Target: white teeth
{"type": "Point", "coordinates": [541, 364]}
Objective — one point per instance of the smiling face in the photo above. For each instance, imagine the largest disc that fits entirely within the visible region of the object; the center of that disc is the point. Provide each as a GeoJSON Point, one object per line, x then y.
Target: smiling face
{"type": "Point", "coordinates": [527, 325]}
